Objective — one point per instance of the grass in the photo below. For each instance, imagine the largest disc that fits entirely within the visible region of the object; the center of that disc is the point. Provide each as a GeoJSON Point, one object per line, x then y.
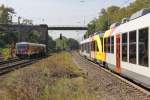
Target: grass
{"type": "Point", "coordinates": [53, 78]}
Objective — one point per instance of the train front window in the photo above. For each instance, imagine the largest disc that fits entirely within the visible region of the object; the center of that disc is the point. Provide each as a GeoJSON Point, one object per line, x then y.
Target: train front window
{"type": "Point", "coordinates": [124, 47]}
{"type": "Point", "coordinates": [143, 47]}
{"type": "Point", "coordinates": [22, 47]}
{"type": "Point", "coordinates": [132, 47]}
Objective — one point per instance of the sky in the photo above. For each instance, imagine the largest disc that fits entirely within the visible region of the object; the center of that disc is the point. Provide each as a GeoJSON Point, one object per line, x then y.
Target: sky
{"type": "Point", "coordinates": [61, 12]}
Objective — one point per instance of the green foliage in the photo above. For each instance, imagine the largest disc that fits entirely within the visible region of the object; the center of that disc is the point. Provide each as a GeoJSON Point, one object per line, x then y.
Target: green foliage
{"type": "Point", "coordinates": [102, 24]}
{"type": "Point", "coordinates": [5, 14]}
{"type": "Point", "coordinates": [2, 42]}
{"type": "Point", "coordinates": [61, 43]}
{"type": "Point", "coordinates": [48, 79]}
{"type": "Point", "coordinates": [5, 52]}
{"type": "Point", "coordinates": [33, 37]}
{"type": "Point", "coordinates": [73, 44]}
{"type": "Point", "coordinates": [92, 26]}
{"type": "Point", "coordinates": [7, 39]}
{"type": "Point", "coordinates": [66, 44]}
{"type": "Point", "coordinates": [12, 37]}
{"type": "Point", "coordinates": [51, 44]}
{"type": "Point", "coordinates": [115, 14]}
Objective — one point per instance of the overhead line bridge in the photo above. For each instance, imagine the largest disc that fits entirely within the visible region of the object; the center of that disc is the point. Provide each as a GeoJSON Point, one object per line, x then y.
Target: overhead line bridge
{"type": "Point", "coordinates": [67, 28]}
{"type": "Point", "coordinates": [42, 28]}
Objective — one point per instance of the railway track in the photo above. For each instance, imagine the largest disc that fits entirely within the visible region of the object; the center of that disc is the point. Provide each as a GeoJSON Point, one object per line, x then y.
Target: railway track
{"type": "Point", "coordinates": [9, 61]}
{"type": "Point", "coordinates": [10, 65]}
{"type": "Point", "coordinates": [111, 84]}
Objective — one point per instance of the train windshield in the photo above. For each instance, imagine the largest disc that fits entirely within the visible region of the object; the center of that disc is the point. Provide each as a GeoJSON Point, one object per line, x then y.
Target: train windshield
{"type": "Point", "coordinates": [22, 46]}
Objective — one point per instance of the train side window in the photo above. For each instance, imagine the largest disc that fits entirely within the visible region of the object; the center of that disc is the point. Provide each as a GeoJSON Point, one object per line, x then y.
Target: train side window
{"type": "Point", "coordinates": [105, 45]}
{"type": "Point", "coordinates": [96, 46]}
{"type": "Point", "coordinates": [82, 47]}
{"type": "Point", "coordinates": [124, 47]}
{"type": "Point", "coordinates": [101, 43]}
{"type": "Point", "coordinates": [143, 47]}
{"type": "Point", "coordinates": [88, 47]}
{"type": "Point", "coordinates": [108, 45]}
{"type": "Point", "coordinates": [93, 45]}
{"type": "Point", "coordinates": [132, 47]}
{"type": "Point", "coordinates": [112, 44]}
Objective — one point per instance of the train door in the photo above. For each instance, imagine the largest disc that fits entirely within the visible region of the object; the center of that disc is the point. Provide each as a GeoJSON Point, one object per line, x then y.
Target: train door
{"type": "Point", "coordinates": [118, 63]}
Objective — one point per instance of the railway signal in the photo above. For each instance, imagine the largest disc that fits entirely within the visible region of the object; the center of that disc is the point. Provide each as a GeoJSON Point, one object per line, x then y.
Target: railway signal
{"type": "Point", "coordinates": [60, 36]}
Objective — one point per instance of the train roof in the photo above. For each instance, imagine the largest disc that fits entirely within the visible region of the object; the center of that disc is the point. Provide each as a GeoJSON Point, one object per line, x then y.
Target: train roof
{"type": "Point", "coordinates": [138, 20]}
{"type": "Point", "coordinates": [140, 13]}
{"type": "Point", "coordinates": [29, 43]}
{"type": "Point", "coordinates": [138, 23]}
{"type": "Point", "coordinates": [101, 34]}
{"type": "Point", "coordinates": [86, 40]}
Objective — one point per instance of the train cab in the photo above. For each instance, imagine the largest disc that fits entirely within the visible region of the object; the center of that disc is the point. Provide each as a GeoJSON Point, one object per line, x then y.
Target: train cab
{"type": "Point", "coordinates": [99, 54]}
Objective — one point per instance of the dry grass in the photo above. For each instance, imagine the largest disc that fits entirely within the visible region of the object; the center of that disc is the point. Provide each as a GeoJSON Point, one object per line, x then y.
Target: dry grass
{"type": "Point", "coordinates": [53, 78]}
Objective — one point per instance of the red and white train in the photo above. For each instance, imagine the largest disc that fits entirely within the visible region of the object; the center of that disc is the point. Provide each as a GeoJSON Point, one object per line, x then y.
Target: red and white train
{"type": "Point", "coordinates": [27, 49]}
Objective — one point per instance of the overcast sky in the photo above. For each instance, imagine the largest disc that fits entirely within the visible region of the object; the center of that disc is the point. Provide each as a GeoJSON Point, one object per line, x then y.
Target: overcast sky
{"type": "Point", "coordinates": [61, 12]}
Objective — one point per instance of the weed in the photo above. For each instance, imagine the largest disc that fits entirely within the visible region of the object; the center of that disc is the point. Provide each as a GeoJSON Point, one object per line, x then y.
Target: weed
{"type": "Point", "coordinates": [53, 78]}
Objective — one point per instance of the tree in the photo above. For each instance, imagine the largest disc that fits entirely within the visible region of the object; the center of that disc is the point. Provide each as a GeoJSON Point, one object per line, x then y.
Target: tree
{"type": "Point", "coordinates": [102, 23]}
{"type": "Point", "coordinates": [34, 37]}
{"type": "Point", "coordinates": [111, 13]}
{"type": "Point", "coordinates": [73, 44]}
{"type": "Point", "coordinates": [51, 44]}
{"type": "Point", "coordinates": [92, 26]}
{"type": "Point", "coordinates": [6, 14]}
{"type": "Point", "coordinates": [114, 14]}
{"type": "Point", "coordinates": [2, 42]}
{"type": "Point", "coordinates": [11, 37]}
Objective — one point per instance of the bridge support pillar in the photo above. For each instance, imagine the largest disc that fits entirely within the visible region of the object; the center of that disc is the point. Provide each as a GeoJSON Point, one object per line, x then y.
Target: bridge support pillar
{"type": "Point", "coordinates": [44, 30]}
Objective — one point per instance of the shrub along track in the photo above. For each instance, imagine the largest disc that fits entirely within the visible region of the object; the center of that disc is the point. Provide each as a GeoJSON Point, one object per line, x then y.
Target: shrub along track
{"type": "Point", "coordinates": [107, 85]}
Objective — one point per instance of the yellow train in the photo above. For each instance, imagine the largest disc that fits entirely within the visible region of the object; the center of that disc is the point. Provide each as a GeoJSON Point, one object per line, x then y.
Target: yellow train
{"type": "Point", "coordinates": [93, 48]}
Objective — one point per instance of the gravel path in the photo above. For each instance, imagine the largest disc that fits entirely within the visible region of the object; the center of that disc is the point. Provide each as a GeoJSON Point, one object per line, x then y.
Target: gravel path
{"type": "Point", "coordinates": [105, 85]}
